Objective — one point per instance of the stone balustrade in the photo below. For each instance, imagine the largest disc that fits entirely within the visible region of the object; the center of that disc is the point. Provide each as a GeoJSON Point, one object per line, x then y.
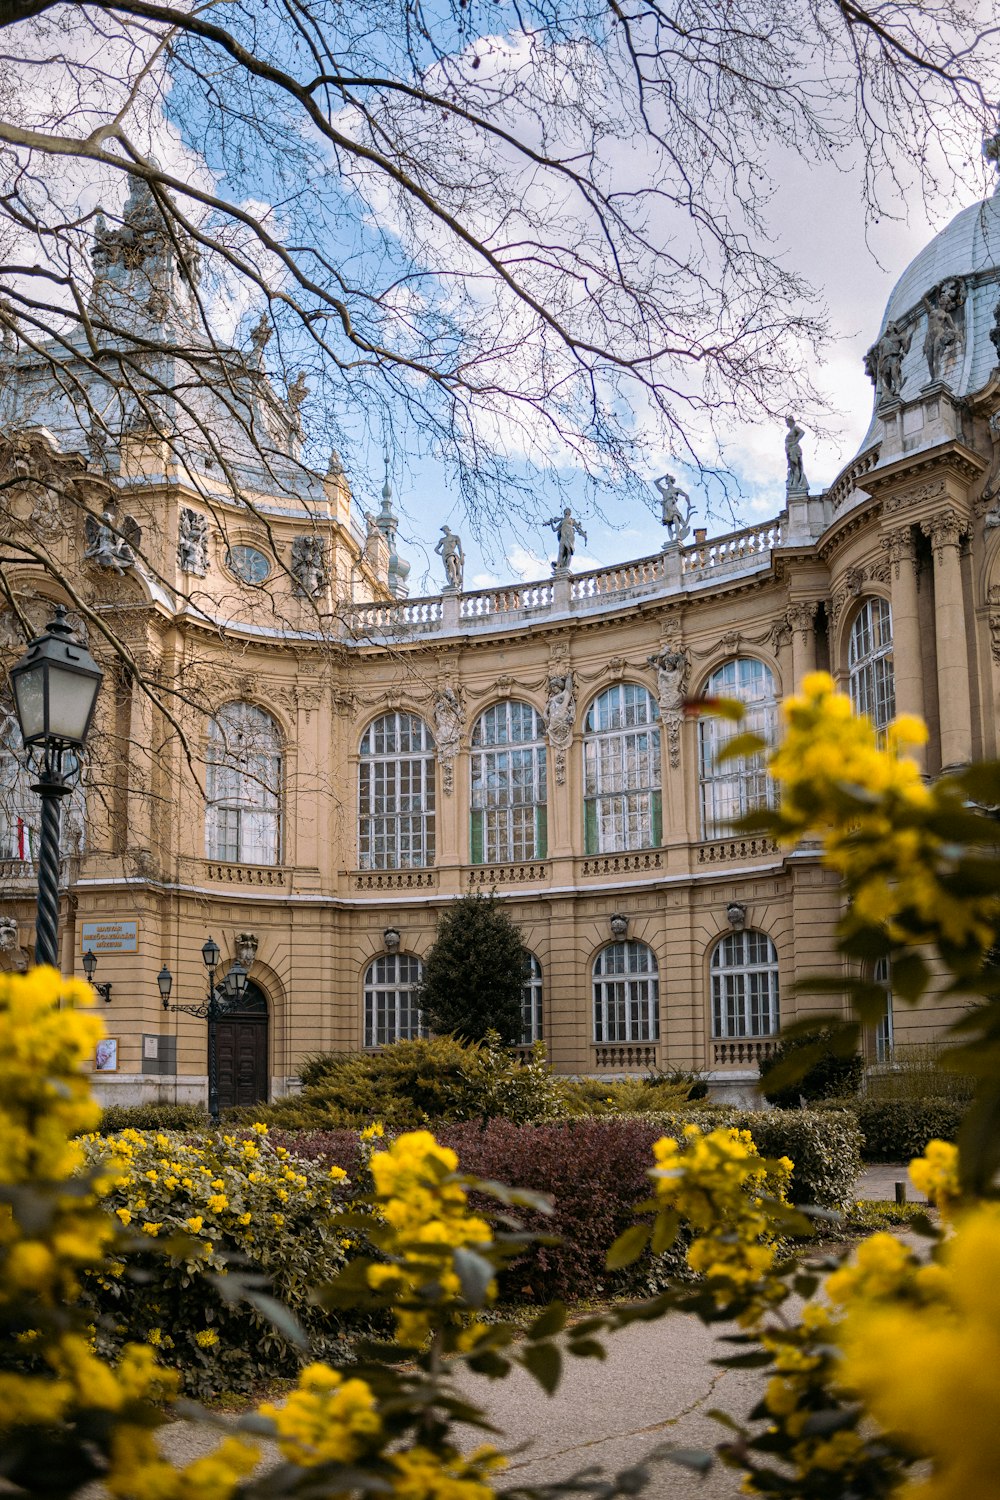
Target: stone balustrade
{"type": "Point", "coordinates": [677, 570]}
{"type": "Point", "coordinates": [745, 1052]}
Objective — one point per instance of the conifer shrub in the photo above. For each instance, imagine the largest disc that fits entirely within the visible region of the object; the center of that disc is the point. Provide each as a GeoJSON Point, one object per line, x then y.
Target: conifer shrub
{"type": "Point", "coordinates": [475, 972]}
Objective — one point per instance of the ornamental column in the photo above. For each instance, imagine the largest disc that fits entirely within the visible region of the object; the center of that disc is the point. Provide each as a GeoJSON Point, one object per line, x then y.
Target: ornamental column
{"type": "Point", "coordinates": [907, 656]}
{"type": "Point", "coordinates": [800, 617]}
{"type": "Point", "coordinates": [954, 702]}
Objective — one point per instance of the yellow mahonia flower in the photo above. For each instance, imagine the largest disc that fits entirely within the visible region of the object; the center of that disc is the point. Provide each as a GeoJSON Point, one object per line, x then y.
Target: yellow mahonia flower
{"type": "Point", "coordinates": [935, 1174]}
{"type": "Point", "coordinates": [207, 1338]}
{"type": "Point", "coordinates": [326, 1419]}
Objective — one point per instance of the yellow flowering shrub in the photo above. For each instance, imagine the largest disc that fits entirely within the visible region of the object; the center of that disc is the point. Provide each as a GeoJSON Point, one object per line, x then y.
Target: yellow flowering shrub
{"type": "Point", "coordinates": [213, 1202]}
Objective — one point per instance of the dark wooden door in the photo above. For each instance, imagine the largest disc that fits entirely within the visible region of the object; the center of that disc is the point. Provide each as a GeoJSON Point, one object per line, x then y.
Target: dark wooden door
{"type": "Point", "coordinates": [241, 1053]}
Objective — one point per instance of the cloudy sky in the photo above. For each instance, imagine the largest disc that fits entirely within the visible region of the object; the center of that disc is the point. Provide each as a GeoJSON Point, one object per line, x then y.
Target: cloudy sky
{"type": "Point", "coordinates": [822, 229]}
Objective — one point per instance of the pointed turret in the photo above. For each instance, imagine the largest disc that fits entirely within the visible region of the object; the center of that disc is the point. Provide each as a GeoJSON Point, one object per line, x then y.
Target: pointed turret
{"type": "Point", "coordinates": [388, 524]}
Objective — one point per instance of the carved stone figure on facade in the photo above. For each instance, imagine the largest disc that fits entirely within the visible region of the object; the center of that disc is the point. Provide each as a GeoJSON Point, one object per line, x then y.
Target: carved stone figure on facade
{"type": "Point", "coordinates": [260, 336]}
{"type": "Point", "coordinates": [945, 337]}
{"type": "Point", "coordinates": [567, 530]}
{"type": "Point", "coordinates": [192, 542]}
{"type": "Point", "coordinates": [308, 565]}
{"type": "Point", "coordinates": [995, 332]}
{"type": "Point", "coordinates": [673, 667]}
{"type": "Point", "coordinates": [560, 716]}
{"type": "Point", "coordinates": [884, 361]}
{"type": "Point", "coordinates": [795, 481]}
{"type": "Point", "coordinates": [111, 546]}
{"type": "Point", "coordinates": [295, 396]}
{"type": "Point", "coordinates": [45, 514]}
{"type": "Point", "coordinates": [373, 535]}
{"type": "Point", "coordinates": [988, 502]}
{"type": "Point", "coordinates": [447, 734]}
{"type": "Point", "coordinates": [677, 522]}
{"type": "Point", "coordinates": [246, 949]}
{"type": "Point", "coordinates": [449, 549]}
{"type": "Point", "coordinates": [8, 935]}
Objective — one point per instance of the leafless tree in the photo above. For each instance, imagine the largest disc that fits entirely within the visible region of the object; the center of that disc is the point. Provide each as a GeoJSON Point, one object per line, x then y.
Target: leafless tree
{"type": "Point", "coordinates": [235, 236]}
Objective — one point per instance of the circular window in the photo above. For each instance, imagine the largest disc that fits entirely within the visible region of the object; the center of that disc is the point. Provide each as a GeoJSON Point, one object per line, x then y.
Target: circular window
{"type": "Point", "coordinates": [249, 564]}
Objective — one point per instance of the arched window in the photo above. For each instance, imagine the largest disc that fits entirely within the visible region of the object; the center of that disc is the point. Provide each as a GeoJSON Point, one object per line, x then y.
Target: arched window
{"type": "Point", "coordinates": [745, 986]}
{"type": "Point", "coordinates": [392, 985]}
{"type": "Point", "coordinates": [873, 690]}
{"type": "Point", "coordinates": [243, 782]}
{"type": "Point", "coordinates": [396, 794]}
{"type": "Point", "coordinates": [883, 1030]}
{"type": "Point", "coordinates": [531, 1002]}
{"type": "Point", "coordinates": [626, 994]}
{"type": "Point", "coordinates": [19, 807]}
{"type": "Point", "coordinates": [508, 785]}
{"type": "Point", "coordinates": [732, 788]}
{"type": "Point", "coordinates": [621, 771]}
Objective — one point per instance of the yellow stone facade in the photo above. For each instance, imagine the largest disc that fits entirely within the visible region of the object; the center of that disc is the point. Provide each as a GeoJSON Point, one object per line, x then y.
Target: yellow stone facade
{"type": "Point", "coordinates": [910, 521]}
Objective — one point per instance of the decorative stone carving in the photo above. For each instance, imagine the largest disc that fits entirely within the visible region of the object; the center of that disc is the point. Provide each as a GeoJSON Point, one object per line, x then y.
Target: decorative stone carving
{"type": "Point", "coordinates": [109, 545]}
{"type": "Point", "coordinates": [854, 578]}
{"type": "Point", "coordinates": [884, 361]}
{"type": "Point", "coordinates": [392, 937]}
{"type": "Point", "coordinates": [619, 926]}
{"type": "Point", "coordinates": [567, 530]}
{"type": "Point", "coordinates": [673, 668]}
{"type": "Point", "coordinates": [801, 614]}
{"type": "Point", "coordinates": [45, 514]}
{"type": "Point", "coordinates": [295, 396]}
{"type": "Point", "coordinates": [447, 734]}
{"type": "Point", "coordinates": [8, 935]}
{"type": "Point", "coordinates": [449, 549]}
{"type": "Point", "coordinates": [260, 336]}
{"type": "Point", "coordinates": [945, 337]}
{"type": "Point", "coordinates": [615, 666]}
{"type": "Point", "coordinates": [246, 949]}
{"type": "Point", "coordinates": [779, 634]}
{"type": "Point", "coordinates": [308, 566]}
{"type": "Point", "coordinates": [795, 480]}
{"type": "Point", "coordinates": [736, 915]}
{"type": "Point", "coordinates": [995, 331]}
{"type": "Point", "coordinates": [560, 716]}
{"type": "Point", "coordinates": [192, 542]}
{"type": "Point", "coordinates": [995, 637]}
{"type": "Point", "coordinates": [944, 530]}
{"type": "Point", "coordinates": [678, 523]}
{"type": "Point", "coordinates": [899, 548]}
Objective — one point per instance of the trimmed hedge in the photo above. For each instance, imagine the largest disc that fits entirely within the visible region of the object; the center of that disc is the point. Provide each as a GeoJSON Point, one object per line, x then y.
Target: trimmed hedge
{"type": "Point", "coordinates": [153, 1116]}
{"type": "Point", "coordinates": [596, 1172]}
{"type": "Point", "coordinates": [898, 1129]}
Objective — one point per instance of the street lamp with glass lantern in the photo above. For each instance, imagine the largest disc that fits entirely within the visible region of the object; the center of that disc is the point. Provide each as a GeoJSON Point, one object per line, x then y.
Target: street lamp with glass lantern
{"type": "Point", "coordinates": [55, 686]}
{"type": "Point", "coordinates": [222, 999]}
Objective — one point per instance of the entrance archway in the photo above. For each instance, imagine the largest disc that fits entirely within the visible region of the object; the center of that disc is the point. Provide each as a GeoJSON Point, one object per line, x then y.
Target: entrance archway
{"type": "Point", "coordinates": [242, 1050]}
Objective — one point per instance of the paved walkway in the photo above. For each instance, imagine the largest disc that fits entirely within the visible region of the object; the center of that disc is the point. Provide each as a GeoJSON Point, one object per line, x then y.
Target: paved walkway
{"type": "Point", "coordinates": [879, 1182]}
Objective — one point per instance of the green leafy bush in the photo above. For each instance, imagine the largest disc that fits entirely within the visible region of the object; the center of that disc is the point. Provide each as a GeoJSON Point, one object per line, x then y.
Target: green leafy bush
{"type": "Point", "coordinates": [153, 1116]}
{"type": "Point", "coordinates": [417, 1083]}
{"type": "Point", "coordinates": [222, 1211]}
{"type": "Point", "coordinates": [828, 1074]}
{"type": "Point", "coordinates": [630, 1096]}
{"type": "Point", "coordinates": [898, 1129]}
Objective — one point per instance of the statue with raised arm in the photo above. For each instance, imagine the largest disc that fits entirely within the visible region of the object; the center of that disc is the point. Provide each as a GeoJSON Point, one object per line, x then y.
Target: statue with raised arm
{"type": "Point", "coordinates": [567, 530]}
{"type": "Point", "coordinates": [677, 522]}
{"type": "Point", "coordinates": [796, 479]}
{"type": "Point", "coordinates": [449, 549]}
{"type": "Point", "coordinates": [108, 545]}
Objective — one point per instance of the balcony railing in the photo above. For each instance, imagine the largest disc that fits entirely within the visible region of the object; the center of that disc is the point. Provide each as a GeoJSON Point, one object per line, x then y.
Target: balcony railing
{"type": "Point", "coordinates": [740, 1052]}
{"type": "Point", "coordinates": [627, 1057]}
{"type": "Point", "coordinates": [394, 880]}
{"type": "Point", "coordinates": [727, 850]}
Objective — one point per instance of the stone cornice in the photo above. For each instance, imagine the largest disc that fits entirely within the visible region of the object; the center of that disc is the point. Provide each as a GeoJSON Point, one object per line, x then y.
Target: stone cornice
{"type": "Point", "coordinates": [952, 459]}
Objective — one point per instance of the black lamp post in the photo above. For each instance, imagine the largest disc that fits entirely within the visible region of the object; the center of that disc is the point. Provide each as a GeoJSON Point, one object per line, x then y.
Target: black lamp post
{"type": "Point", "coordinates": [55, 687]}
{"type": "Point", "coordinates": [221, 1000]}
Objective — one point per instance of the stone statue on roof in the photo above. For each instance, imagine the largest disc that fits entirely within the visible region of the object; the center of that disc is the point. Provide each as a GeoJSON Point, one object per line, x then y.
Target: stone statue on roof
{"type": "Point", "coordinates": [567, 530]}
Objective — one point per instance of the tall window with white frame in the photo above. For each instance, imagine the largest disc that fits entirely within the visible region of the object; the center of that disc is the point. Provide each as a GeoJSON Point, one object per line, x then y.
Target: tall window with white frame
{"type": "Point", "coordinates": [392, 985]}
{"type": "Point", "coordinates": [243, 784]}
{"type": "Point", "coordinates": [883, 1030]}
{"type": "Point", "coordinates": [744, 970]}
{"type": "Point", "coordinates": [531, 1002]}
{"type": "Point", "coordinates": [19, 816]}
{"type": "Point", "coordinates": [732, 788]}
{"type": "Point", "coordinates": [508, 811]}
{"type": "Point", "coordinates": [626, 994]}
{"type": "Point", "coordinates": [869, 660]}
{"type": "Point", "coordinates": [396, 794]}
{"type": "Point", "coordinates": [623, 806]}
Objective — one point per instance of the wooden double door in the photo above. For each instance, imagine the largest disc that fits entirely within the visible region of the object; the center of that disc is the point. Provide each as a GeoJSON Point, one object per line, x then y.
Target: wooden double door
{"type": "Point", "coordinates": [241, 1042]}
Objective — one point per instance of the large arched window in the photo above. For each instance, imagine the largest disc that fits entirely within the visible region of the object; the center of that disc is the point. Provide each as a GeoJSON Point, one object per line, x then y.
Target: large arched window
{"type": "Point", "coordinates": [621, 771]}
{"type": "Point", "coordinates": [508, 785]}
{"type": "Point", "coordinates": [745, 986]}
{"type": "Point", "coordinates": [243, 820]}
{"type": "Point", "coordinates": [626, 994]}
{"type": "Point", "coordinates": [869, 656]}
{"type": "Point", "coordinates": [396, 794]}
{"type": "Point", "coordinates": [732, 788]}
{"type": "Point", "coordinates": [19, 806]}
{"type": "Point", "coordinates": [531, 1002]}
{"type": "Point", "coordinates": [883, 1030]}
{"type": "Point", "coordinates": [392, 987]}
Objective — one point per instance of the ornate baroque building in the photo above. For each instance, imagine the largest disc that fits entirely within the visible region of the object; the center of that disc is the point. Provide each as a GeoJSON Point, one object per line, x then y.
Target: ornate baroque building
{"type": "Point", "coordinates": [361, 758]}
